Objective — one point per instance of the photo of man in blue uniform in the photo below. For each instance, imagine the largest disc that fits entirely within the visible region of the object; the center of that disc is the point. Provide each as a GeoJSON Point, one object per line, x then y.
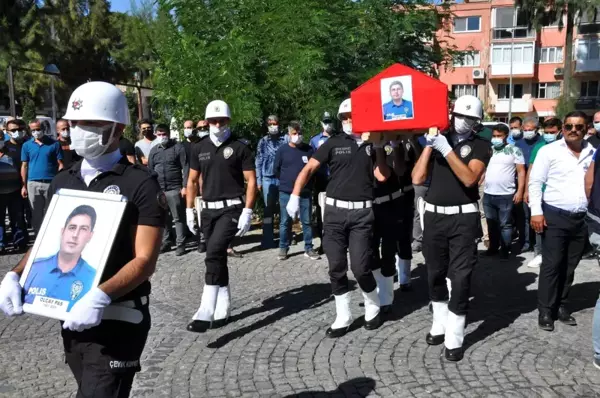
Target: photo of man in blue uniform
{"type": "Point", "coordinates": [65, 275]}
{"type": "Point", "coordinates": [398, 107]}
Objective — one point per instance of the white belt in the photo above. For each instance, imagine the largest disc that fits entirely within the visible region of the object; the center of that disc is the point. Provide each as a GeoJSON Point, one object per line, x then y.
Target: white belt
{"type": "Point", "coordinates": [387, 198]}
{"type": "Point", "coordinates": [125, 311]}
{"type": "Point", "coordinates": [220, 204]}
{"type": "Point", "coordinates": [349, 205]}
{"type": "Point", "coordinates": [468, 208]}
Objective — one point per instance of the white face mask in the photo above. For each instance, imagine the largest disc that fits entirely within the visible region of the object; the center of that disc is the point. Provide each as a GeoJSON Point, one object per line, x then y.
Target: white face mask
{"type": "Point", "coordinates": [597, 126]}
{"type": "Point", "coordinates": [347, 127]}
{"type": "Point", "coordinates": [161, 140]}
{"type": "Point", "coordinates": [327, 127]}
{"type": "Point", "coordinates": [65, 133]}
{"type": "Point", "coordinates": [296, 139]}
{"type": "Point", "coordinates": [203, 134]}
{"type": "Point", "coordinates": [87, 140]}
{"type": "Point", "coordinates": [273, 130]}
{"type": "Point", "coordinates": [218, 135]}
{"type": "Point", "coordinates": [187, 133]}
{"type": "Point", "coordinates": [516, 133]}
{"type": "Point", "coordinates": [528, 135]}
{"type": "Point", "coordinates": [37, 134]}
{"type": "Point", "coordinates": [462, 125]}
{"type": "Point", "coordinates": [17, 135]}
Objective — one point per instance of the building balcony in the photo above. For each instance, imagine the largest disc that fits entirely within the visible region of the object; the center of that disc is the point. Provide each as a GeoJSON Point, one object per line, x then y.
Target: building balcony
{"type": "Point", "coordinates": [588, 65]}
{"type": "Point", "coordinates": [519, 105]}
{"type": "Point", "coordinates": [518, 69]}
{"type": "Point", "coordinates": [521, 34]}
{"type": "Point", "coordinates": [587, 103]}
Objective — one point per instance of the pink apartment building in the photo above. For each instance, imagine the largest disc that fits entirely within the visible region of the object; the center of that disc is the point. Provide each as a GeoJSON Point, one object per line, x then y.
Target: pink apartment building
{"type": "Point", "coordinates": [485, 28]}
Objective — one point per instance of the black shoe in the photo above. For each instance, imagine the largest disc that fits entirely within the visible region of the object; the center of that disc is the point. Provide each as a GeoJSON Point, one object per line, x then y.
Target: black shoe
{"type": "Point", "coordinates": [180, 251]}
{"type": "Point", "coordinates": [199, 326]}
{"type": "Point", "coordinates": [219, 323]}
{"type": "Point", "coordinates": [454, 355]}
{"type": "Point", "coordinates": [320, 250]}
{"type": "Point", "coordinates": [490, 252]}
{"type": "Point", "coordinates": [434, 340]}
{"type": "Point", "coordinates": [335, 333]}
{"type": "Point", "coordinates": [373, 323]}
{"type": "Point", "coordinates": [406, 287]}
{"type": "Point", "coordinates": [504, 254]}
{"type": "Point", "coordinates": [385, 309]}
{"type": "Point", "coordinates": [565, 317]}
{"type": "Point", "coordinates": [234, 254]}
{"type": "Point", "coordinates": [165, 247]}
{"type": "Point", "coordinates": [202, 247]}
{"type": "Point", "coordinates": [546, 322]}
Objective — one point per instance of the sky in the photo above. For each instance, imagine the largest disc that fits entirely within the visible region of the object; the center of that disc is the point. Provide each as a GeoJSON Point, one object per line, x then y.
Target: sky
{"type": "Point", "coordinates": [121, 5]}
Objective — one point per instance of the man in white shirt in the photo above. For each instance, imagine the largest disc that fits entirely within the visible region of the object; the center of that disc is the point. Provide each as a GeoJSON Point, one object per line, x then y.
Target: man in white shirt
{"type": "Point", "coordinates": [500, 192]}
{"type": "Point", "coordinates": [558, 214]}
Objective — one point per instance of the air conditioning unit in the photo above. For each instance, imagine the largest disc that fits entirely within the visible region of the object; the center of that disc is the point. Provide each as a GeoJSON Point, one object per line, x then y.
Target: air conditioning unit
{"type": "Point", "coordinates": [559, 71]}
{"type": "Point", "coordinates": [478, 73]}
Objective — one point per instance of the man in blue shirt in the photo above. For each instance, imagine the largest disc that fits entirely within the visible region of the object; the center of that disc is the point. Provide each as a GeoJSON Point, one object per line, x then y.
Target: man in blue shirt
{"type": "Point", "coordinates": [516, 133]}
{"type": "Point", "coordinates": [265, 177]}
{"type": "Point", "coordinates": [289, 162]}
{"type": "Point", "coordinates": [41, 159]}
{"type": "Point", "coordinates": [65, 275]}
{"type": "Point", "coordinates": [398, 107]}
{"type": "Point", "coordinates": [530, 139]}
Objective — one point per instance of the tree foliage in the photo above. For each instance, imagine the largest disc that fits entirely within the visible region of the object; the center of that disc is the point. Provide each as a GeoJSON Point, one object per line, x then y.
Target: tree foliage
{"type": "Point", "coordinates": [295, 59]}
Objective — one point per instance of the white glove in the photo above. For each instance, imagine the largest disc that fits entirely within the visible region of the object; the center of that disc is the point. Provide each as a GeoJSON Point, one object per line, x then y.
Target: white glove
{"type": "Point", "coordinates": [189, 220]}
{"type": "Point", "coordinates": [439, 143]}
{"type": "Point", "coordinates": [87, 312]}
{"type": "Point", "coordinates": [244, 222]}
{"type": "Point", "coordinates": [10, 295]}
{"type": "Point", "coordinates": [293, 205]}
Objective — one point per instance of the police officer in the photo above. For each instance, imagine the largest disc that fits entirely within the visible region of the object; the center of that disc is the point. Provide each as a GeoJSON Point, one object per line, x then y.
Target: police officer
{"type": "Point", "coordinates": [105, 332]}
{"type": "Point", "coordinates": [456, 161]}
{"type": "Point", "coordinates": [201, 133]}
{"type": "Point", "coordinates": [348, 224]}
{"type": "Point", "coordinates": [223, 162]}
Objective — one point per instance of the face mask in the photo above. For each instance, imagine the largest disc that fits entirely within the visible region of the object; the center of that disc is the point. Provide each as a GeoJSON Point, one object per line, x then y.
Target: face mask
{"type": "Point", "coordinates": [296, 139]}
{"type": "Point", "coordinates": [462, 125]}
{"type": "Point", "coordinates": [597, 126]}
{"type": "Point", "coordinates": [203, 133]}
{"type": "Point", "coordinates": [327, 127]}
{"type": "Point", "coordinates": [161, 140]}
{"type": "Point", "coordinates": [17, 135]}
{"type": "Point", "coordinates": [187, 133]}
{"type": "Point", "coordinates": [549, 137]}
{"type": "Point", "coordinates": [529, 135]}
{"type": "Point", "coordinates": [65, 133]}
{"type": "Point", "coordinates": [87, 140]}
{"type": "Point", "coordinates": [516, 133]}
{"type": "Point", "coordinates": [347, 127]}
{"type": "Point", "coordinates": [37, 134]}
{"type": "Point", "coordinates": [497, 142]}
{"type": "Point", "coordinates": [273, 129]}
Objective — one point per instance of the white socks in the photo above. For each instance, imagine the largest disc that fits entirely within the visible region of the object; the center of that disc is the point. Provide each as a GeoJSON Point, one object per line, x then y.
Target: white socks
{"type": "Point", "coordinates": [385, 287]}
{"type": "Point", "coordinates": [343, 316]}
{"type": "Point", "coordinates": [455, 330]}
{"type": "Point", "coordinates": [440, 316]}
{"type": "Point", "coordinates": [223, 301]}
{"type": "Point", "coordinates": [372, 304]}
{"type": "Point", "coordinates": [208, 303]}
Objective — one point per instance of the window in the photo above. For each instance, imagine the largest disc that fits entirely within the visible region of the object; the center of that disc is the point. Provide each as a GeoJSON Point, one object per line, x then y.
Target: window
{"type": "Point", "coordinates": [546, 90]}
{"type": "Point", "coordinates": [503, 91]}
{"type": "Point", "coordinates": [467, 24]}
{"type": "Point", "coordinates": [507, 22]}
{"type": "Point", "coordinates": [588, 49]}
{"type": "Point", "coordinates": [551, 55]}
{"type": "Point", "coordinates": [469, 58]}
{"type": "Point", "coordinates": [464, 89]}
{"type": "Point", "coordinates": [522, 53]}
{"type": "Point", "coordinates": [590, 89]}
{"type": "Point", "coordinates": [590, 18]}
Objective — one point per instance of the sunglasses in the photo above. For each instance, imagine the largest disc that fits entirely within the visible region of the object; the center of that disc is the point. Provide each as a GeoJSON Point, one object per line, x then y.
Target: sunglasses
{"type": "Point", "coordinates": [578, 127]}
{"type": "Point", "coordinates": [218, 120]}
{"type": "Point", "coordinates": [146, 130]}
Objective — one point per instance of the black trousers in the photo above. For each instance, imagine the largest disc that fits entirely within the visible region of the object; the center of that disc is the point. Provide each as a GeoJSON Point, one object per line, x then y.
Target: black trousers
{"type": "Point", "coordinates": [450, 250]}
{"type": "Point", "coordinates": [219, 228]}
{"type": "Point", "coordinates": [349, 231]}
{"type": "Point", "coordinates": [407, 209]}
{"type": "Point", "coordinates": [563, 242]}
{"type": "Point", "coordinates": [386, 233]}
{"type": "Point", "coordinates": [320, 185]}
{"type": "Point", "coordinates": [105, 358]}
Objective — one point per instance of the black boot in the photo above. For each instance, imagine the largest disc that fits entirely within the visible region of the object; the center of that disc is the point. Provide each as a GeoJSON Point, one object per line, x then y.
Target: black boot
{"type": "Point", "coordinates": [545, 321]}
{"type": "Point", "coordinates": [565, 316]}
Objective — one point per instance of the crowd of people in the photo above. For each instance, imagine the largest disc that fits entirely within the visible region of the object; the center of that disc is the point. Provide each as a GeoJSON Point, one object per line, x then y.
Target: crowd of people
{"type": "Point", "coordinates": [376, 201]}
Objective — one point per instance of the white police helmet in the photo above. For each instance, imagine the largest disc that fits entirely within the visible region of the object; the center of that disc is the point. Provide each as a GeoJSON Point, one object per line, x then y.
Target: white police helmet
{"type": "Point", "coordinates": [468, 105]}
{"type": "Point", "coordinates": [345, 107]}
{"type": "Point", "coordinates": [98, 101]}
{"type": "Point", "coordinates": [217, 109]}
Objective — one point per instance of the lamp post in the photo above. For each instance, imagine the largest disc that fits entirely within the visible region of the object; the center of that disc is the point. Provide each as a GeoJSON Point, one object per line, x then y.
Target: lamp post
{"type": "Point", "coordinates": [510, 73]}
{"type": "Point", "coordinates": [53, 69]}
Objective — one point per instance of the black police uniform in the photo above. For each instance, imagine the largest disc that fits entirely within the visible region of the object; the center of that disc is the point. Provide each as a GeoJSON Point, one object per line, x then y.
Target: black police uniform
{"type": "Point", "coordinates": [105, 358]}
{"type": "Point", "coordinates": [221, 169]}
{"type": "Point", "coordinates": [351, 180]}
{"type": "Point", "coordinates": [451, 228]}
{"type": "Point", "coordinates": [188, 145]}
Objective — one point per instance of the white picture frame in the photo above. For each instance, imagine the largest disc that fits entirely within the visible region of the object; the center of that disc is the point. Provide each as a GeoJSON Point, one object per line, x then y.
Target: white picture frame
{"type": "Point", "coordinates": [70, 251]}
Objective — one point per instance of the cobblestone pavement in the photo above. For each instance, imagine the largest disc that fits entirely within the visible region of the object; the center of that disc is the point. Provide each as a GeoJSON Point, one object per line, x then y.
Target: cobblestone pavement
{"type": "Point", "coordinates": [275, 344]}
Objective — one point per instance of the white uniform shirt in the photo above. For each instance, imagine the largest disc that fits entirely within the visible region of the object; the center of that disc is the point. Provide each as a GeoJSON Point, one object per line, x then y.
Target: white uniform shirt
{"type": "Point", "coordinates": [563, 173]}
{"type": "Point", "coordinates": [501, 170]}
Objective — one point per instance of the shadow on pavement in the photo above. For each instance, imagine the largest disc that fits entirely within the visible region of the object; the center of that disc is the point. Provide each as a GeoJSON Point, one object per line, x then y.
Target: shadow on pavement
{"type": "Point", "coordinates": [287, 303]}
{"type": "Point", "coordinates": [357, 387]}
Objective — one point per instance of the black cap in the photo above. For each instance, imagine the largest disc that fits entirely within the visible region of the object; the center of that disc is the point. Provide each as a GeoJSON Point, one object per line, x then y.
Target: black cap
{"type": "Point", "coordinates": [326, 117]}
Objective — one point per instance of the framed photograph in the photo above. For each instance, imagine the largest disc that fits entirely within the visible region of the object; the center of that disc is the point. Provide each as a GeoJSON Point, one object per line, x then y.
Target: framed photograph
{"type": "Point", "coordinates": [397, 98]}
{"type": "Point", "coordinates": [70, 251]}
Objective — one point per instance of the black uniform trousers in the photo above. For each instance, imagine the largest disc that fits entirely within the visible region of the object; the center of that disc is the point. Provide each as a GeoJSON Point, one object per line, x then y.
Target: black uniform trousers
{"type": "Point", "coordinates": [450, 250]}
{"type": "Point", "coordinates": [104, 359]}
{"type": "Point", "coordinates": [349, 231]}
{"type": "Point", "coordinates": [563, 243]}
{"type": "Point", "coordinates": [320, 185]}
{"type": "Point", "coordinates": [407, 210]}
{"type": "Point", "coordinates": [219, 227]}
{"type": "Point", "coordinates": [386, 232]}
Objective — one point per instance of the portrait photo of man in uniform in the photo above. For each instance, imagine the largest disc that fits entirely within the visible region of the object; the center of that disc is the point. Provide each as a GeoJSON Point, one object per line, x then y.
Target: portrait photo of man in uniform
{"type": "Point", "coordinates": [65, 275]}
{"type": "Point", "coordinates": [396, 97]}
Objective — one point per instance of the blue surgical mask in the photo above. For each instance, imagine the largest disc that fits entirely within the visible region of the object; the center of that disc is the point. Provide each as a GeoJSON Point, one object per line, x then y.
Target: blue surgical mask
{"type": "Point", "coordinates": [597, 126]}
{"type": "Point", "coordinates": [497, 142]}
{"type": "Point", "coordinates": [549, 137]}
